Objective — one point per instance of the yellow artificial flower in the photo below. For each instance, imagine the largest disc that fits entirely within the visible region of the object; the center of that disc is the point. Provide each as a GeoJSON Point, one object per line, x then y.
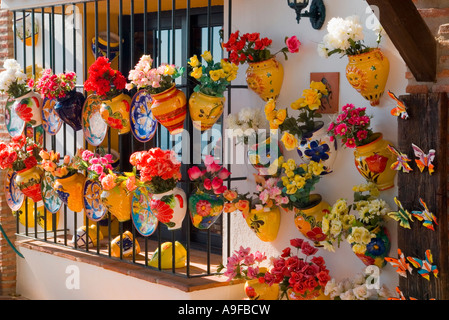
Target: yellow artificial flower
{"type": "Point", "coordinates": [197, 72]}
{"type": "Point", "coordinates": [291, 164]}
{"type": "Point", "coordinates": [289, 140]}
{"type": "Point", "coordinates": [336, 227]}
{"type": "Point", "coordinates": [194, 62]}
{"type": "Point", "coordinates": [291, 189]}
{"type": "Point", "coordinates": [169, 70]}
{"type": "Point", "coordinates": [312, 98]}
{"type": "Point", "coordinates": [216, 75]}
{"type": "Point", "coordinates": [325, 225]}
{"type": "Point", "coordinates": [298, 104]}
{"type": "Point", "coordinates": [316, 168]}
{"type": "Point", "coordinates": [319, 86]}
{"type": "Point", "coordinates": [359, 248]}
{"type": "Point", "coordinates": [207, 56]}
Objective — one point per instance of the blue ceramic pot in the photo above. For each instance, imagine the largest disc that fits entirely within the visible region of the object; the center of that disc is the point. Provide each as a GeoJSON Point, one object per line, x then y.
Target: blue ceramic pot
{"type": "Point", "coordinates": [70, 109]}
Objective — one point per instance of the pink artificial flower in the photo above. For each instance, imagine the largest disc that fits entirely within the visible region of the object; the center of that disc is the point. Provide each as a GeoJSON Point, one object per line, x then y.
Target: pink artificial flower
{"type": "Point", "coordinates": [341, 129]}
{"type": "Point", "coordinates": [331, 126]}
{"type": "Point", "coordinates": [208, 160]}
{"type": "Point", "coordinates": [224, 174]}
{"type": "Point", "coordinates": [66, 159]}
{"type": "Point", "coordinates": [350, 143]}
{"type": "Point", "coordinates": [86, 155]}
{"type": "Point", "coordinates": [293, 44]}
{"type": "Point", "coordinates": [216, 183]}
{"type": "Point", "coordinates": [131, 184]}
{"type": "Point", "coordinates": [213, 167]}
{"type": "Point", "coordinates": [220, 190]}
{"type": "Point", "coordinates": [362, 135]}
{"type": "Point", "coordinates": [194, 173]}
{"type": "Point", "coordinates": [207, 184]}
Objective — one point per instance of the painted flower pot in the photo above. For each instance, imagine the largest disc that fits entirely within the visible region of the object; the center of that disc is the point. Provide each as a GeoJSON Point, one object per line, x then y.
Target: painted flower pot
{"type": "Point", "coordinates": [70, 109]}
{"type": "Point", "coordinates": [24, 29]}
{"type": "Point", "coordinates": [377, 249]}
{"type": "Point", "coordinates": [82, 235]}
{"type": "Point", "coordinates": [125, 245]}
{"type": "Point", "coordinates": [374, 160]}
{"type": "Point", "coordinates": [28, 108]}
{"type": "Point", "coordinates": [205, 209]}
{"type": "Point", "coordinates": [31, 211]}
{"type": "Point", "coordinates": [115, 113]}
{"type": "Point", "coordinates": [308, 220]}
{"type": "Point", "coordinates": [101, 48]}
{"type": "Point", "coordinates": [70, 191]}
{"type": "Point", "coordinates": [368, 74]}
{"type": "Point", "coordinates": [51, 122]}
{"type": "Point", "coordinates": [265, 223]}
{"type": "Point", "coordinates": [205, 110]}
{"type": "Point", "coordinates": [317, 146]}
{"type": "Point", "coordinates": [167, 256]}
{"type": "Point", "coordinates": [118, 201]}
{"type": "Point", "coordinates": [14, 124]}
{"type": "Point", "coordinates": [170, 109]}
{"type": "Point", "coordinates": [262, 157]}
{"type": "Point", "coordinates": [255, 290]}
{"type": "Point", "coordinates": [170, 207]}
{"type": "Point", "coordinates": [314, 295]}
{"type": "Point", "coordinates": [265, 78]}
{"type": "Point", "coordinates": [29, 182]}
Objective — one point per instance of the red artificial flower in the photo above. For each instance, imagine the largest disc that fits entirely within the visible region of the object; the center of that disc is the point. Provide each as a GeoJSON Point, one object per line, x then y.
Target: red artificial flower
{"type": "Point", "coordinates": [24, 112]}
{"type": "Point", "coordinates": [30, 162]}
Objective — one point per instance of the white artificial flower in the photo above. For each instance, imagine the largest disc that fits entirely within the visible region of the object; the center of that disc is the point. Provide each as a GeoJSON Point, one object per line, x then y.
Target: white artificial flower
{"type": "Point", "coordinates": [348, 295]}
{"type": "Point", "coordinates": [359, 279]}
{"type": "Point", "coordinates": [231, 121]}
{"type": "Point", "coordinates": [332, 289]}
{"type": "Point", "coordinates": [322, 51]}
{"type": "Point", "coordinates": [11, 64]}
{"type": "Point", "coordinates": [20, 77]}
{"type": "Point", "coordinates": [246, 115]}
{"type": "Point", "coordinates": [384, 292]}
{"type": "Point", "coordinates": [361, 292]}
{"type": "Point", "coordinates": [327, 246]}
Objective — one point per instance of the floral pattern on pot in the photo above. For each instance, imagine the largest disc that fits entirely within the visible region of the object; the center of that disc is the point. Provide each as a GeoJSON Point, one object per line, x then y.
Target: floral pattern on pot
{"type": "Point", "coordinates": [170, 207]}
{"type": "Point", "coordinates": [143, 124]}
{"type": "Point", "coordinates": [256, 290]}
{"type": "Point", "coordinates": [205, 110]}
{"type": "Point", "coordinates": [205, 209]}
{"type": "Point", "coordinates": [265, 223]}
{"type": "Point", "coordinates": [14, 197]}
{"type": "Point", "coordinates": [115, 112]}
{"type": "Point", "coordinates": [262, 157]}
{"type": "Point", "coordinates": [70, 191]}
{"type": "Point", "coordinates": [94, 127]}
{"type": "Point", "coordinates": [14, 124]}
{"type": "Point", "coordinates": [52, 202]}
{"type": "Point", "coordinates": [50, 118]}
{"type": "Point", "coordinates": [265, 78]}
{"type": "Point", "coordinates": [377, 249]}
{"type": "Point", "coordinates": [93, 206]}
{"type": "Point", "coordinates": [143, 218]}
{"type": "Point", "coordinates": [28, 108]}
{"type": "Point", "coordinates": [29, 182]}
{"type": "Point", "coordinates": [309, 220]}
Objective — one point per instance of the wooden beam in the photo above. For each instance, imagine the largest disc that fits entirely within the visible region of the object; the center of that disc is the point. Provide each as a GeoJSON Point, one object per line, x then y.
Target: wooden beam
{"type": "Point", "coordinates": [427, 128]}
{"type": "Point", "coordinates": [411, 36]}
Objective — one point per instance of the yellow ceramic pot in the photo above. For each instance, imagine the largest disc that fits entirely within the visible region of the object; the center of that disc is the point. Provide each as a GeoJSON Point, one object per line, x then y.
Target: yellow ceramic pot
{"type": "Point", "coordinates": [368, 74]}
{"type": "Point", "coordinates": [118, 201]}
{"type": "Point", "coordinates": [314, 295]}
{"type": "Point", "coordinates": [115, 113]}
{"type": "Point", "coordinates": [81, 236]}
{"type": "Point", "coordinates": [265, 78]}
{"type": "Point", "coordinates": [167, 256]}
{"type": "Point", "coordinates": [255, 290]}
{"type": "Point", "coordinates": [70, 191]}
{"type": "Point", "coordinates": [373, 161]}
{"type": "Point", "coordinates": [26, 218]}
{"type": "Point", "coordinates": [205, 110]}
{"type": "Point", "coordinates": [170, 109]}
{"type": "Point", "coordinates": [29, 182]}
{"type": "Point", "coordinates": [127, 249]}
{"type": "Point", "coordinates": [308, 220]}
{"type": "Point", "coordinates": [265, 223]}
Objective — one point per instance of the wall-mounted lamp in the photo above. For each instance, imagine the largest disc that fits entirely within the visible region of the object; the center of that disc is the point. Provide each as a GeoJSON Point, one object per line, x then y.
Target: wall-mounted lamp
{"type": "Point", "coordinates": [317, 12]}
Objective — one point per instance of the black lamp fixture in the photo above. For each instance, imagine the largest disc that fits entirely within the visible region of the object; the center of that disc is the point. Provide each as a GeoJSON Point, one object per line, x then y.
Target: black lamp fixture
{"type": "Point", "coordinates": [317, 12]}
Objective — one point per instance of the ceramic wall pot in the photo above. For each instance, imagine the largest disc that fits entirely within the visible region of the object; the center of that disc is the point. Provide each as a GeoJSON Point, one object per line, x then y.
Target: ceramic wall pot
{"type": "Point", "coordinates": [308, 220]}
{"type": "Point", "coordinates": [70, 191]}
{"type": "Point", "coordinates": [118, 201]}
{"type": "Point", "coordinates": [24, 29]}
{"type": "Point", "coordinates": [205, 110]}
{"type": "Point", "coordinates": [115, 113]}
{"type": "Point", "coordinates": [170, 109]}
{"type": "Point", "coordinates": [31, 211]}
{"type": "Point", "coordinates": [70, 109]}
{"type": "Point", "coordinates": [368, 74]}
{"type": "Point", "coordinates": [316, 146]}
{"type": "Point", "coordinates": [314, 295]}
{"type": "Point", "coordinates": [167, 256]}
{"type": "Point", "coordinates": [265, 223]}
{"type": "Point", "coordinates": [265, 78]}
{"type": "Point", "coordinates": [101, 48]}
{"type": "Point", "coordinates": [255, 290]}
{"type": "Point", "coordinates": [29, 182]}
{"type": "Point", "coordinates": [82, 235]}
{"type": "Point", "coordinates": [374, 160]}
{"type": "Point", "coordinates": [28, 108]}
{"type": "Point", "coordinates": [377, 249]}
{"type": "Point", "coordinates": [125, 245]}
{"type": "Point", "coordinates": [205, 209]}
{"type": "Point", "coordinates": [262, 155]}
{"type": "Point", "coordinates": [170, 207]}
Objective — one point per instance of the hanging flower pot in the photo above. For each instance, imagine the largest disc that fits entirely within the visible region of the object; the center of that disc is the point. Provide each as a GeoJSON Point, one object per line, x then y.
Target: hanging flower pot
{"type": "Point", "coordinates": [256, 290]}
{"type": "Point", "coordinates": [262, 157]}
{"type": "Point", "coordinates": [118, 201]}
{"type": "Point", "coordinates": [170, 207]}
{"type": "Point", "coordinates": [265, 222]}
{"type": "Point", "coordinates": [317, 146]}
{"type": "Point", "coordinates": [368, 74]}
{"type": "Point", "coordinates": [29, 182]}
{"type": "Point", "coordinates": [170, 109]}
{"type": "Point", "coordinates": [205, 209]}
{"type": "Point", "coordinates": [115, 112]}
{"type": "Point", "coordinates": [308, 220]}
{"type": "Point", "coordinates": [28, 108]}
{"type": "Point", "coordinates": [374, 252]}
{"type": "Point", "coordinates": [205, 110]}
{"type": "Point", "coordinates": [374, 160]}
{"type": "Point", "coordinates": [70, 190]}
{"type": "Point", "coordinates": [70, 109]}
{"type": "Point", "coordinates": [265, 78]}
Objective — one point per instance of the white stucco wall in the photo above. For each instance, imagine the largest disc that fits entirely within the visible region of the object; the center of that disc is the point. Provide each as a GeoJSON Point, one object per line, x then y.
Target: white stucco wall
{"type": "Point", "coordinates": [274, 19]}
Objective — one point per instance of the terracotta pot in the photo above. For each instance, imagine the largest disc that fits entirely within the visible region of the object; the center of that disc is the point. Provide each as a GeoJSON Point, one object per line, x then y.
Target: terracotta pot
{"type": "Point", "coordinates": [265, 78]}
{"type": "Point", "coordinates": [115, 113]}
{"type": "Point", "coordinates": [170, 109]}
{"type": "Point", "coordinates": [205, 110]}
{"type": "Point", "coordinates": [70, 109]}
{"type": "Point", "coordinates": [308, 220]}
{"type": "Point", "coordinates": [368, 74]}
{"type": "Point", "coordinates": [374, 160]}
{"type": "Point", "coordinates": [70, 191]}
{"type": "Point", "coordinates": [170, 207]}
{"type": "Point", "coordinates": [265, 223]}
{"type": "Point", "coordinates": [28, 108]}
{"type": "Point", "coordinates": [29, 182]}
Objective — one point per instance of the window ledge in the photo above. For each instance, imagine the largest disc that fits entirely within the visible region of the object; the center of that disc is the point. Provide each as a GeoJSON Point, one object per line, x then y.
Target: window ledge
{"type": "Point", "coordinates": [137, 271]}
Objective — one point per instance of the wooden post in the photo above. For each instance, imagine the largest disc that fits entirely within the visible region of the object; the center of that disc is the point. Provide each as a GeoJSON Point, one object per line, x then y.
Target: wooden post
{"type": "Point", "coordinates": [427, 127]}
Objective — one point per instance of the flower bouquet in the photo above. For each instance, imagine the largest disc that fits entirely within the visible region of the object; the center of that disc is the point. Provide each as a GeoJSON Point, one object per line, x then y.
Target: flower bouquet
{"type": "Point", "coordinates": [212, 78]}
{"type": "Point", "coordinates": [207, 200]}
{"type": "Point", "coordinates": [298, 278]}
{"type": "Point", "coordinates": [245, 265]}
{"type": "Point", "coordinates": [254, 49]}
{"type": "Point", "coordinates": [159, 173]}
{"type": "Point", "coordinates": [368, 69]}
{"type": "Point", "coordinates": [373, 159]}
{"type": "Point", "coordinates": [108, 85]}
{"type": "Point", "coordinates": [245, 125]}
{"type": "Point", "coordinates": [97, 166]}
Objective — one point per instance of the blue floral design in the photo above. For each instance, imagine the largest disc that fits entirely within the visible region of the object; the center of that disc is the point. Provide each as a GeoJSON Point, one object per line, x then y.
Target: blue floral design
{"type": "Point", "coordinates": [376, 247]}
{"type": "Point", "coordinates": [317, 151]}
